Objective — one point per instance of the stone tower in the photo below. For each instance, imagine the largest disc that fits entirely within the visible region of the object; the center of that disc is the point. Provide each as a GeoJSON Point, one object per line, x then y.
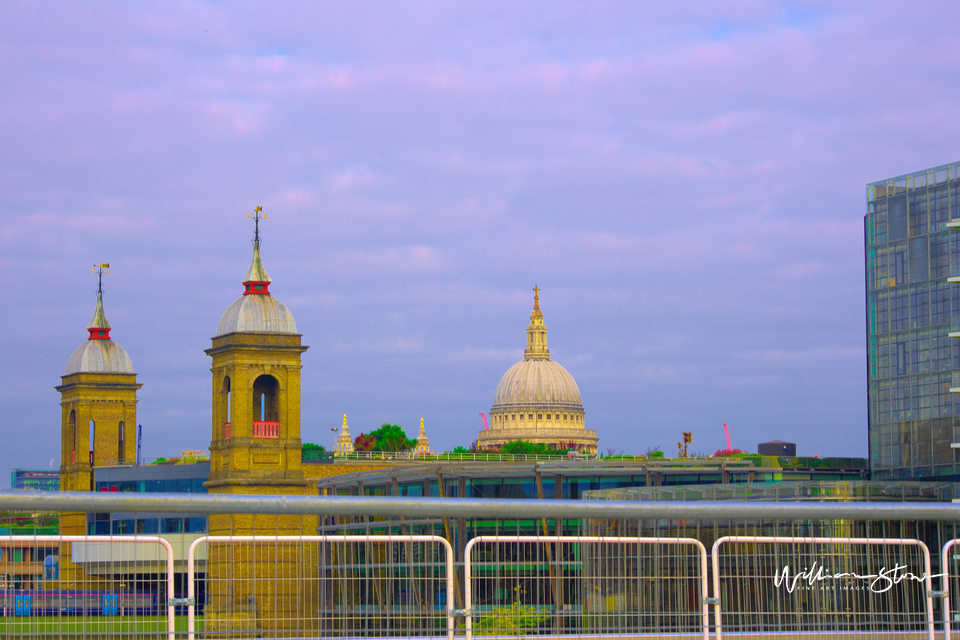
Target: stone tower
{"type": "Point", "coordinates": [98, 401]}
{"type": "Point", "coordinates": [255, 448]}
{"type": "Point", "coordinates": [98, 417]}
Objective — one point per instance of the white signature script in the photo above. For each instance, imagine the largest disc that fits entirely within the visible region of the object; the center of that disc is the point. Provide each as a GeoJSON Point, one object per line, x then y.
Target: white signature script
{"type": "Point", "coordinates": [879, 582]}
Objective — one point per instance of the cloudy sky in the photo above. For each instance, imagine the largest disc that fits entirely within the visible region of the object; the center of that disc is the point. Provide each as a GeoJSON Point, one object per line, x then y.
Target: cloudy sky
{"type": "Point", "coordinates": [684, 181]}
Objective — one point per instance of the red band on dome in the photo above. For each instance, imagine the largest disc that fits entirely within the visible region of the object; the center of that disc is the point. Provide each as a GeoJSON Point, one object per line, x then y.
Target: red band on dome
{"type": "Point", "coordinates": [99, 334]}
{"type": "Point", "coordinates": [260, 288]}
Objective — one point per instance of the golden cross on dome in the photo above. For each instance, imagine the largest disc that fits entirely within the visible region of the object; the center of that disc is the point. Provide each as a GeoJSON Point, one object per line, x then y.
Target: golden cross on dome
{"type": "Point", "coordinates": [536, 297]}
{"type": "Point", "coordinates": [98, 269]}
{"type": "Point", "coordinates": [256, 223]}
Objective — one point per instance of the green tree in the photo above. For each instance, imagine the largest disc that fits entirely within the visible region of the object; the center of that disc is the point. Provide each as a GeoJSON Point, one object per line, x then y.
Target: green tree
{"type": "Point", "coordinates": [392, 437]}
{"type": "Point", "coordinates": [524, 447]}
{"type": "Point", "coordinates": [311, 451]}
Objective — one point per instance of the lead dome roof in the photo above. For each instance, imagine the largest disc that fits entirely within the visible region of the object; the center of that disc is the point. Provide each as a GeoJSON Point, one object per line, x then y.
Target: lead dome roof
{"type": "Point", "coordinates": [537, 382]}
{"type": "Point", "coordinates": [99, 356]}
{"type": "Point", "coordinates": [257, 313]}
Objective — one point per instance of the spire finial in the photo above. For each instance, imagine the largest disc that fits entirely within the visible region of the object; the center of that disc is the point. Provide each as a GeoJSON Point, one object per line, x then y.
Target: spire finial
{"type": "Point", "coordinates": [536, 298]}
{"type": "Point", "coordinates": [256, 281]}
{"type": "Point", "coordinates": [99, 327]}
{"type": "Point", "coordinates": [98, 269]}
{"type": "Point", "coordinates": [256, 224]}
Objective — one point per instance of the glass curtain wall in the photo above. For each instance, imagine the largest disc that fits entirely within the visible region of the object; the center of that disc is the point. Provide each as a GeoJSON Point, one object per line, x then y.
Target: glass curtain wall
{"type": "Point", "coordinates": [913, 306]}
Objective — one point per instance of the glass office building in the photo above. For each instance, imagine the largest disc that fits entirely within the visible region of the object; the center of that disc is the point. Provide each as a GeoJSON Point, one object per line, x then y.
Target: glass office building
{"type": "Point", "coordinates": [41, 479]}
{"type": "Point", "coordinates": [154, 478]}
{"type": "Point", "coordinates": [912, 247]}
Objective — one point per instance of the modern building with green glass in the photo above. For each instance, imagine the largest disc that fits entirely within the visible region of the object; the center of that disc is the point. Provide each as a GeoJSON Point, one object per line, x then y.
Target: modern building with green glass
{"type": "Point", "coordinates": [912, 247]}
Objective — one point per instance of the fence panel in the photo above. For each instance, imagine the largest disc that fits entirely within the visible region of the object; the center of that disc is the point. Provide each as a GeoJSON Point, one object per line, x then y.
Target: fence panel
{"type": "Point", "coordinates": [831, 587]}
{"type": "Point", "coordinates": [86, 586]}
{"type": "Point", "coordinates": [950, 585]}
{"type": "Point", "coordinates": [564, 585]}
{"type": "Point", "coordinates": [396, 586]}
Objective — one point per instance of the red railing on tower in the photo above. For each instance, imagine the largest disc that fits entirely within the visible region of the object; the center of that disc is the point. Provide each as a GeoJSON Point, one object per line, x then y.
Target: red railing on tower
{"type": "Point", "coordinates": [266, 429]}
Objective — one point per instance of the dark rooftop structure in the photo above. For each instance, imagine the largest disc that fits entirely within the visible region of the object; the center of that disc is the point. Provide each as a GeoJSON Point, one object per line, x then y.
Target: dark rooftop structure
{"type": "Point", "coordinates": [777, 448]}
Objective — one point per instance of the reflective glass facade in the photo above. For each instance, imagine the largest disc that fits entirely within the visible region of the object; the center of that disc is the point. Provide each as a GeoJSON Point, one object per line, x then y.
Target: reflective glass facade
{"type": "Point", "coordinates": [156, 478]}
{"type": "Point", "coordinates": [912, 254]}
{"type": "Point", "coordinates": [41, 479]}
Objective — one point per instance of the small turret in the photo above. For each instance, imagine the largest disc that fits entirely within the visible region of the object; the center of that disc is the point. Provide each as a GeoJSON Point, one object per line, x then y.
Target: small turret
{"type": "Point", "coordinates": [344, 441]}
{"type": "Point", "coordinates": [536, 332]}
{"type": "Point", "coordinates": [422, 447]}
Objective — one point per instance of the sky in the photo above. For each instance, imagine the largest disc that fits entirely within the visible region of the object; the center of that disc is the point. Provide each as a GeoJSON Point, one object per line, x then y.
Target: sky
{"type": "Point", "coordinates": [684, 181]}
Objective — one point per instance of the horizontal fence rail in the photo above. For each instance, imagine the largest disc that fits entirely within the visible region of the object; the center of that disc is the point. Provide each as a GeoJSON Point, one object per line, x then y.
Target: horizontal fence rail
{"type": "Point", "coordinates": [470, 507]}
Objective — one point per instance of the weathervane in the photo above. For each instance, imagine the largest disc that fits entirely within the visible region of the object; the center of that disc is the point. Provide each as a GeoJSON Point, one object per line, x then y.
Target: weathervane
{"type": "Point", "coordinates": [98, 269]}
{"type": "Point", "coordinates": [256, 222]}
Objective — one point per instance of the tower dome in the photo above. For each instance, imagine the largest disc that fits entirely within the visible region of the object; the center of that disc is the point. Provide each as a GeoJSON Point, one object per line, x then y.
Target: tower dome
{"type": "Point", "coordinates": [538, 400]}
{"type": "Point", "coordinates": [99, 354]}
{"type": "Point", "coordinates": [256, 311]}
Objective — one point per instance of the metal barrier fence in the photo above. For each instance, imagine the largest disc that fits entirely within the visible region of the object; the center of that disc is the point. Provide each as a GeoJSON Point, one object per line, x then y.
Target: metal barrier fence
{"type": "Point", "coordinates": [822, 585]}
{"type": "Point", "coordinates": [86, 586]}
{"type": "Point", "coordinates": [555, 585]}
{"type": "Point", "coordinates": [950, 581]}
{"type": "Point", "coordinates": [388, 585]}
{"type": "Point", "coordinates": [346, 586]}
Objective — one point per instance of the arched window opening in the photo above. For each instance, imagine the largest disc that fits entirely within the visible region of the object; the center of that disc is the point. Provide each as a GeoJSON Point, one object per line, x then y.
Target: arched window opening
{"type": "Point", "coordinates": [72, 436]}
{"type": "Point", "coordinates": [266, 409]}
{"type": "Point", "coordinates": [120, 455]}
{"type": "Point", "coordinates": [92, 440]}
{"type": "Point", "coordinates": [226, 406]}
